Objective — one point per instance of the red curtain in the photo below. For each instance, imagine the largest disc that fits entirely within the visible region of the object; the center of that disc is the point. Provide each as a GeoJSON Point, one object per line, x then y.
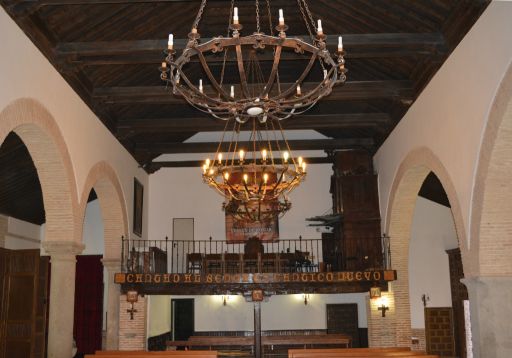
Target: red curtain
{"type": "Point", "coordinates": [88, 303]}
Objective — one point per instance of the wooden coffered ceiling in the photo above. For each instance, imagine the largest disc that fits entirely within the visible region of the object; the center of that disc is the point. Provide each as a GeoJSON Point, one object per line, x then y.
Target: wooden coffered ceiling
{"type": "Point", "coordinates": [109, 52]}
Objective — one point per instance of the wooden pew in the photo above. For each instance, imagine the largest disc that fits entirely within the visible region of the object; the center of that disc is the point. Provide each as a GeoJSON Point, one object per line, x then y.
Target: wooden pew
{"type": "Point", "coordinates": [307, 340]}
{"type": "Point", "coordinates": [144, 354]}
{"type": "Point", "coordinates": [357, 352]}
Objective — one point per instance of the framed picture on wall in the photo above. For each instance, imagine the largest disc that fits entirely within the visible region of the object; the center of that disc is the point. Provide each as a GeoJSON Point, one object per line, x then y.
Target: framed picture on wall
{"type": "Point", "coordinates": [138, 198]}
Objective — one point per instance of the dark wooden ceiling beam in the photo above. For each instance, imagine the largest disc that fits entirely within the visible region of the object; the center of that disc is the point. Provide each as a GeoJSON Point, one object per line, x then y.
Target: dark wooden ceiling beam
{"type": "Point", "coordinates": [131, 127]}
{"type": "Point", "coordinates": [211, 147]}
{"type": "Point", "coordinates": [150, 51]}
{"type": "Point", "coordinates": [351, 90]}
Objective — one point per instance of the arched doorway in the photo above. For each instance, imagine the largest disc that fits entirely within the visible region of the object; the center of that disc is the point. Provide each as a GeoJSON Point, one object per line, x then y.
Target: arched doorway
{"type": "Point", "coordinates": [404, 193]}
{"type": "Point", "coordinates": [37, 129]}
{"type": "Point", "coordinates": [435, 270]}
{"type": "Point", "coordinates": [111, 211]}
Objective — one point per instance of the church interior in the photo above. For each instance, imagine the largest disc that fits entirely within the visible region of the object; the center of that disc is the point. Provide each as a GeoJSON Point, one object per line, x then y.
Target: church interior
{"type": "Point", "coordinates": [255, 178]}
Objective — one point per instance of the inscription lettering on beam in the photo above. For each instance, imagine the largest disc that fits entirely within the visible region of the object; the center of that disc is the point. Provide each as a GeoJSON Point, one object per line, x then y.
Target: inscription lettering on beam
{"type": "Point", "coordinates": [255, 278]}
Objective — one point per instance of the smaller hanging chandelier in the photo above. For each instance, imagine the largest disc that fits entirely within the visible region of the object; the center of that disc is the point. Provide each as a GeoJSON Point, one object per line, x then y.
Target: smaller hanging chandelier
{"type": "Point", "coordinates": [255, 180]}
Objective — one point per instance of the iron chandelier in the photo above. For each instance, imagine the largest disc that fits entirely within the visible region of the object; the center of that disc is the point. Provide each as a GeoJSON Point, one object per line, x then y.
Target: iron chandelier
{"type": "Point", "coordinates": [256, 95]}
{"type": "Point", "coordinates": [255, 181]}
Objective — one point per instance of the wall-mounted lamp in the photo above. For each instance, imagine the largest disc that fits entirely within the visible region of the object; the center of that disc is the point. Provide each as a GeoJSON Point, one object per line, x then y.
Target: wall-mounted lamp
{"type": "Point", "coordinates": [132, 296]}
{"type": "Point", "coordinates": [306, 299]}
{"type": "Point", "coordinates": [383, 306]}
{"type": "Point", "coordinates": [375, 292]}
{"type": "Point", "coordinates": [425, 298]}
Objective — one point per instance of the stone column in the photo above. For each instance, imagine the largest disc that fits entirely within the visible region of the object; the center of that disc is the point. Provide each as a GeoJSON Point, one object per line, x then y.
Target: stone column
{"type": "Point", "coordinates": [113, 293]}
{"type": "Point", "coordinates": [62, 296]}
{"type": "Point", "coordinates": [491, 315]}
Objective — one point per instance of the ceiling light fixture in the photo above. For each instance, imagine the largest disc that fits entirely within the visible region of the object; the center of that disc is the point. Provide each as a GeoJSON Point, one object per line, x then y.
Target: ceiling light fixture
{"type": "Point", "coordinates": [252, 94]}
{"type": "Point", "coordinates": [255, 181]}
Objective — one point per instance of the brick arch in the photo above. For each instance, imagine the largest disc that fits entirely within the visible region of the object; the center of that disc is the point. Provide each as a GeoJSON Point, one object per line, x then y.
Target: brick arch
{"type": "Point", "coordinates": [402, 200]}
{"type": "Point", "coordinates": [491, 219]}
{"type": "Point", "coordinates": [103, 179]}
{"type": "Point", "coordinates": [39, 131]}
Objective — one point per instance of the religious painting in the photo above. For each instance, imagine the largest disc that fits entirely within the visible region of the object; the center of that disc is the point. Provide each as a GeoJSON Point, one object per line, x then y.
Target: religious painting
{"type": "Point", "coordinates": [240, 230]}
{"type": "Point", "coordinates": [138, 198]}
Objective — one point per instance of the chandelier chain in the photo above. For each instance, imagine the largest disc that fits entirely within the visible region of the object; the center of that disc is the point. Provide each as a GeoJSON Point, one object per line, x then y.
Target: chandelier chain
{"type": "Point", "coordinates": [226, 51]}
{"type": "Point", "coordinates": [269, 15]}
{"type": "Point", "coordinates": [199, 15]}
{"type": "Point", "coordinates": [258, 30]}
{"type": "Point", "coordinates": [310, 15]}
{"type": "Point", "coordinates": [306, 22]}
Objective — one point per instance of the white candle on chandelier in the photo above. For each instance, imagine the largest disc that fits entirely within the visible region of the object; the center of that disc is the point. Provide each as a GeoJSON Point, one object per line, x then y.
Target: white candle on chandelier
{"type": "Point", "coordinates": [246, 178]}
{"type": "Point", "coordinates": [300, 160]}
{"type": "Point", "coordinates": [201, 86]}
{"type": "Point", "coordinates": [241, 154]}
{"type": "Point", "coordinates": [170, 43]}
{"type": "Point", "coordinates": [204, 168]}
{"type": "Point", "coordinates": [264, 154]}
{"type": "Point", "coordinates": [304, 167]}
{"type": "Point", "coordinates": [319, 29]}
{"type": "Point", "coordinates": [232, 94]}
{"type": "Point", "coordinates": [285, 156]}
{"type": "Point", "coordinates": [281, 17]}
{"type": "Point", "coordinates": [226, 175]}
{"type": "Point", "coordinates": [265, 178]}
{"type": "Point", "coordinates": [235, 15]}
{"type": "Point", "coordinates": [207, 162]}
{"type": "Point", "coordinates": [220, 157]}
{"type": "Point", "coordinates": [340, 44]}
{"type": "Point", "coordinates": [298, 90]}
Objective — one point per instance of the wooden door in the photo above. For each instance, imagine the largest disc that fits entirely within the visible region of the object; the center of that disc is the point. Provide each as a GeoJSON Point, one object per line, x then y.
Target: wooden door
{"type": "Point", "coordinates": [439, 331]}
{"type": "Point", "coordinates": [182, 318]}
{"type": "Point", "coordinates": [24, 305]}
{"type": "Point", "coordinates": [343, 318]}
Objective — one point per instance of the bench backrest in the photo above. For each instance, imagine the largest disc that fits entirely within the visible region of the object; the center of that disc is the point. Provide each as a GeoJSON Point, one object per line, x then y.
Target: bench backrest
{"type": "Point", "coordinates": [144, 354]}
{"type": "Point", "coordinates": [356, 352]}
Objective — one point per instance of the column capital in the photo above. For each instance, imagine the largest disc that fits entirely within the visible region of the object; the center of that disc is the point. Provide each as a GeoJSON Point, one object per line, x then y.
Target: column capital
{"type": "Point", "coordinates": [113, 265]}
{"type": "Point", "coordinates": [63, 249]}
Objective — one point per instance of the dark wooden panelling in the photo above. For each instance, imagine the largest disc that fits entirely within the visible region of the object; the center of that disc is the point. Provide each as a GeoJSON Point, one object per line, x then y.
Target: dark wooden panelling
{"type": "Point", "coordinates": [355, 197]}
{"type": "Point", "coordinates": [23, 310]}
{"type": "Point", "coordinates": [433, 190]}
{"type": "Point", "coordinates": [459, 294]}
{"type": "Point", "coordinates": [343, 318]}
{"type": "Point", "coordinates": [439, 331]}
{"type": "Point", "coordinates": [109, 52]}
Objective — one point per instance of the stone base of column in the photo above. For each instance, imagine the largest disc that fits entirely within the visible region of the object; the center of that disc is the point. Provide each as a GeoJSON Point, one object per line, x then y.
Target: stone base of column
{"type": "Point", "coordinates": [490, 300]}
{"type": "Point", "coordinates": [113, 291]}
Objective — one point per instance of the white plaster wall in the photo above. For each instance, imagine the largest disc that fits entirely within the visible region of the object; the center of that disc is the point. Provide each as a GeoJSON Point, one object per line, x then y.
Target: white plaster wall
{"type": "Point", "coordinates": [432, 233]}
{"type": "Point", "coordinates": [25, 72]}
{"type": "Point", "coordinates": [21, 235]}
{"type": "Point", "coordinates": [93, 238]}
{"type": "Point", "coordinates": [159, 315]}
{"type": "Point", "coordinates": [180, 193]}
{"type": "Point", "coordinates": [280, 312]}
{"type": "Point", "coordinates": [450, 114]}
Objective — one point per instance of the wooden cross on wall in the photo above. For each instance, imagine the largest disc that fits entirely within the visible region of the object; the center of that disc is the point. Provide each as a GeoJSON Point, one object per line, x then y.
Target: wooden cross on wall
{"type": "Point", "coordinates": [131, 311]}
{"type": "Point", "coordinates": [383, 308]}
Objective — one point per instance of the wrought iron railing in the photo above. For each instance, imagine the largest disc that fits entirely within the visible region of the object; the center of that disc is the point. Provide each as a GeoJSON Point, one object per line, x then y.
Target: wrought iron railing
{"type": "Point", "coordinates": [219, 256]}
{"type": "Point", "coordinates": [204, 256]}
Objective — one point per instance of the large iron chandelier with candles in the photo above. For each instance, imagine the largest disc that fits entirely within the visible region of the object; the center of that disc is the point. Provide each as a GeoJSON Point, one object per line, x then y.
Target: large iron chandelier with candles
{"type": "Point", "coordinates": [235, 88]}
